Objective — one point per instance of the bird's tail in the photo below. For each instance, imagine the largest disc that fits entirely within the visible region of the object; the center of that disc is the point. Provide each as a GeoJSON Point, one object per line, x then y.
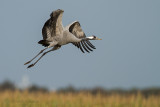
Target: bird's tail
{"type": "Point", "coordinates": [44, 43]}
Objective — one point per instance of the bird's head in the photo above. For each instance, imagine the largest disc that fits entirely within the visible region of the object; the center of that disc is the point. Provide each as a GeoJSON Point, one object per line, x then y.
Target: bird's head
{"type": "Point", "coordinates": [93, 38]}
{"type": "Point", "coordinates": [56, 12]}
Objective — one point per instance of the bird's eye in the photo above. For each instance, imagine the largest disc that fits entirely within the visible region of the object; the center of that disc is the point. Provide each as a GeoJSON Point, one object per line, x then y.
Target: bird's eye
{"type": "Point", "coordinates": [94, 36]}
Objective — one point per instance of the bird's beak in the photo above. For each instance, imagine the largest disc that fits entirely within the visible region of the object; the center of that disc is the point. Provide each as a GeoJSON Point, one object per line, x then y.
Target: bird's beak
{"type": "Point", "coordinates": [98, 39]}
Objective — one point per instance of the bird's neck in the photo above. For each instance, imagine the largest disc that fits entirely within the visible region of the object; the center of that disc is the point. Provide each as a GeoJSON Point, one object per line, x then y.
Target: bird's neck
{"type": "Point", "coordinates": [87, 38]}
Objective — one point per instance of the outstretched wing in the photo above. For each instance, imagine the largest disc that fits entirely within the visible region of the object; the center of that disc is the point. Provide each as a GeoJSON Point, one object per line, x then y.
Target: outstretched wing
{"type": "Point", "coordinates": [53, 26]}
{"type": "Point", "coordinates": [76, 30]}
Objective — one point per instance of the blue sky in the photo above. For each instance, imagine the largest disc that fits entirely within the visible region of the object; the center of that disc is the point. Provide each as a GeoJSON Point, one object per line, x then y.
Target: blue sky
{"type": "Point", "coordinates": [128, 56]}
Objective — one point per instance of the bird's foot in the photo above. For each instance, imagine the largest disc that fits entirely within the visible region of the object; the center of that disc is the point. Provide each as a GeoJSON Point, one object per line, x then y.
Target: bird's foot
{"type": "Point", "coordinates": [30, 66]}
{"type": "Point", "coordinates": [27, 62]}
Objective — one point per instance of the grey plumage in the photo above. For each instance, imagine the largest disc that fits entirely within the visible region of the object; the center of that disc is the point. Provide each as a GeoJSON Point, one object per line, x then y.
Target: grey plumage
{"type": "Point", "coordinates": [55, 35]}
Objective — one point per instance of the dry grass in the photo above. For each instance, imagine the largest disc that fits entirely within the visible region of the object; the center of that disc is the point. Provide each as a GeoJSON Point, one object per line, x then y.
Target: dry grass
{"type": "Point", "coordinates": [26, 99]}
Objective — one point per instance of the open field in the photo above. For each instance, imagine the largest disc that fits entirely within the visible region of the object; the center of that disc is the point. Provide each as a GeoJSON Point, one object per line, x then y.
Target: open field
{"type": "Point", "coordinates": [52, 99]}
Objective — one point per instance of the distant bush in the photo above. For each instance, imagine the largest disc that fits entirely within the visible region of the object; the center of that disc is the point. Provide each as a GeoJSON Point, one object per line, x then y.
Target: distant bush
{"type": "Point", "coordinates": [99, 90]}
{"type": "Point", "coordinates": [35, 88]}
{"type": "Point", "coordinates": [69, 89]}
{"type": "Point", "coordinates": [7, 85]}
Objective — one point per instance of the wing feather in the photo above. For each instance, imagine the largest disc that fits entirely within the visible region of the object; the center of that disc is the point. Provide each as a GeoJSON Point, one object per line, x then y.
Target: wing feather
{"type": "Point", "coordinates": [53, 26]}
{"type": "Point", "coordinates": [81, 47]}
{"type": "Point", "coordinates": [76, 30]}
{"type": "Point", "coordinates": [84, 46]}
{"type": "Point", "coordinates": [87, 46]}
{"type": "Point", "coordinates": [89, 43]}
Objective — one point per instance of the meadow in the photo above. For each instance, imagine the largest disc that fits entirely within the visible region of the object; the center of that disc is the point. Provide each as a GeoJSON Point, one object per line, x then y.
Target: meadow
{"type": "Point", "coordinates": [52, 99]}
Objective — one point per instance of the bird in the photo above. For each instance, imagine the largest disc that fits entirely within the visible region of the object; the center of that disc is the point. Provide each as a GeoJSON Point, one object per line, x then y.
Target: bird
{"type": "Point", "coordinates": [55, 35]}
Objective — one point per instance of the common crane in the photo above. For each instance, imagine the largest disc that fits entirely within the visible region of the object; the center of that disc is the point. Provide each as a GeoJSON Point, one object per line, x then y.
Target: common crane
{"type": "Point", "coordinates": [55, 35]}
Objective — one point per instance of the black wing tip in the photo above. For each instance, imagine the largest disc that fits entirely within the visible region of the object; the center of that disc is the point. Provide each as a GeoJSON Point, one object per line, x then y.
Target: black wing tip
{"type": "Point", "coordinates": [84, 46]}
{"type": "Point", "coordinates": [87, 46]}
{"type": "Point", "coordinates": [90, 44]}
{"type": "Point", "coordinates": [81, 48]}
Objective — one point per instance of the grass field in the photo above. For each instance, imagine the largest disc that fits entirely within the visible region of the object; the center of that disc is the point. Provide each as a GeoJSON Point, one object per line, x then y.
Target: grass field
{"type": "Point", "coordinates": [26, 99]}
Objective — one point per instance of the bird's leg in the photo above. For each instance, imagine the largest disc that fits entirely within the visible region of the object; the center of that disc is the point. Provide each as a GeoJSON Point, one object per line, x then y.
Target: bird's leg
{"type": "Point", "coordinates": [36, 56]}
{"type": "Point", "coordinates": [55, 48]}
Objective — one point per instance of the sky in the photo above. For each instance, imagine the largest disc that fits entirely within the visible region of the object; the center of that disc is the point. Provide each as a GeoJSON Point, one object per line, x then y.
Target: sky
{"type": "Point", "coordinates": [127, 56]}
